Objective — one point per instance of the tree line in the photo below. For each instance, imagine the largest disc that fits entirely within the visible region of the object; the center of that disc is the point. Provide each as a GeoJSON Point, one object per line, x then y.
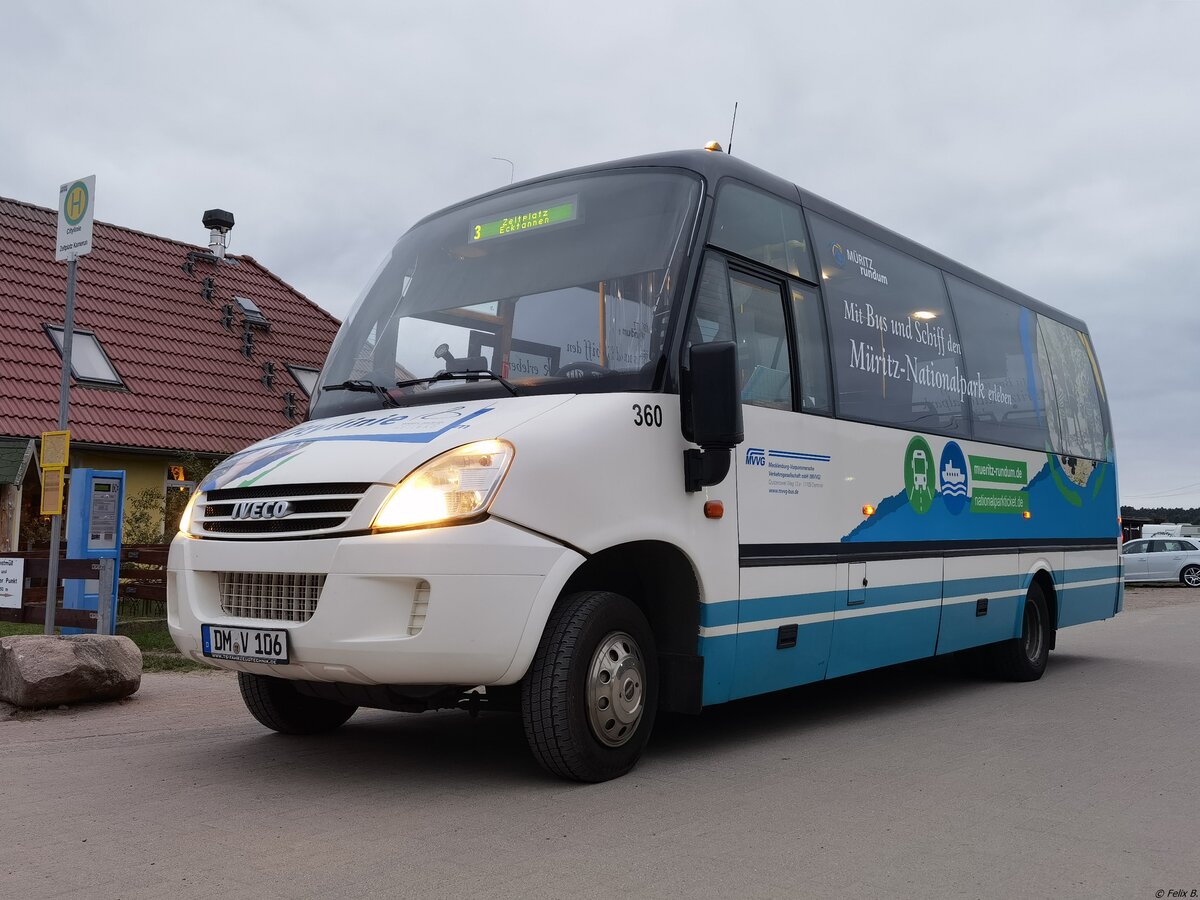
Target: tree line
{"type": "Point", "coordinates": [1163, 514]}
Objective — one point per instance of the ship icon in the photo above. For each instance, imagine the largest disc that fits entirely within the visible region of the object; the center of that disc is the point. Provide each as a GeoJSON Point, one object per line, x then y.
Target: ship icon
{"type": "Point", "coordinates": [954, 480]}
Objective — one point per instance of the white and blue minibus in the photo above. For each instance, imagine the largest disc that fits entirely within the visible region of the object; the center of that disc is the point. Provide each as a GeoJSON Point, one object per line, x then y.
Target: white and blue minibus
{"type": "Point", "coordinates": [655, 434]}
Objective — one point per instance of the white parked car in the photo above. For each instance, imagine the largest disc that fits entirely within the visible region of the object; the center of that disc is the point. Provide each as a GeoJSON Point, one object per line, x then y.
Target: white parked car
{"type": "Point", "coordinates": [1163, 559]}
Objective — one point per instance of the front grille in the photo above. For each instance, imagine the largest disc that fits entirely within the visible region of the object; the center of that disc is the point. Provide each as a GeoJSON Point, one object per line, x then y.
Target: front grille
{"type": "Point", "coordinates": [285, 490]}
{"type": "Point", "coordinates": [276, 526]}
{"type": "Point", "coordinates": [251, 512]}
{"type": "Point", "coordinates": [278, 596]}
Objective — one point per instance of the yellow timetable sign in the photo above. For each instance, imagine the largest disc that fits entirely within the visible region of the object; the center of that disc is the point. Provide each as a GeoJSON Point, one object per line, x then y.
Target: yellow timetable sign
{"type": "Point", "coordinates": [52, 491]}
{"type": "Point", "coordinates": [56, 447]}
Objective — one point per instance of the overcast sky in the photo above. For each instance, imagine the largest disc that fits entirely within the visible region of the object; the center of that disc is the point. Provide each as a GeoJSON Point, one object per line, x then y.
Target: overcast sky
{"type": "Point", "coordinates": [1054, 146]}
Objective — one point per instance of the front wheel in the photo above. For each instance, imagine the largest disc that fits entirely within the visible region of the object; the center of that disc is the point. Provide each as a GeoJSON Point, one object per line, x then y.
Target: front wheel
{"type": "Point", "coordinates": [589, 699]}
{"type": "Point", "coordinates": [1190, 576]}
{"type": "Point", "coordinates": [1024, 658]}
{"type": "Point", "coordinates": [276, 703]}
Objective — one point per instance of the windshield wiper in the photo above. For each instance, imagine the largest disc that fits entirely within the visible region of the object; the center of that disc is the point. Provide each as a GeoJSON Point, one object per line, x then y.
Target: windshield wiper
{"type": "Point", "coordinates": [364, 385]}
{"type": "Point", "coordinates": [467, 375]}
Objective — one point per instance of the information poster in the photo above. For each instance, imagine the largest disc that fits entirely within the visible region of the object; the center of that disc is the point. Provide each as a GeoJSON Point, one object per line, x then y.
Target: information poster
{"type": "Point", "coordinates": [12, 582]}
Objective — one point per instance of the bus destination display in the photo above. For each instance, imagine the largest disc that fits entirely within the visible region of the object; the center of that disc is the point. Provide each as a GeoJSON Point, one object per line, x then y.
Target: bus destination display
{"type": "Point", "coordinates": [553, 213]}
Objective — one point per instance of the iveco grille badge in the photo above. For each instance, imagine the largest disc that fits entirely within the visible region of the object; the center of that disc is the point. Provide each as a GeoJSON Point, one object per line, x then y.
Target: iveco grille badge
{"type": "Point", "coordinates": [262, 509]}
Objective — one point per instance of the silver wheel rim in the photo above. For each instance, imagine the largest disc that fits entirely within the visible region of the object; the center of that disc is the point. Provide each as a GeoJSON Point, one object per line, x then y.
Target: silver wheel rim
{"type": "Point", "coordinates": [1191, 577]}
{"type": "Point", "coordinates": [1033, 633]}
{"type": "Point", "coordinates": [616, 689]}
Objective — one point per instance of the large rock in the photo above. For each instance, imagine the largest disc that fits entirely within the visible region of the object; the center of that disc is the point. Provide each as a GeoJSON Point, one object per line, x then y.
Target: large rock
{"type": "Point", "coordinates": [43, 670]}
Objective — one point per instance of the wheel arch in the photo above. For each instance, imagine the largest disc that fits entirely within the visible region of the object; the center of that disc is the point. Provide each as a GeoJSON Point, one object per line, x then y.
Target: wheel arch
{"type": "Point", "coordinates": [1043, 579]}
{"type": "Point", "coordinates": [662, 581]}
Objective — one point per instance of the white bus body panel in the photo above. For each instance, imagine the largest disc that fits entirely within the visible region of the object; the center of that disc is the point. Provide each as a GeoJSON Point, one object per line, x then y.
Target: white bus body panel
{"type": "Point", "coordinates": [584, 478]}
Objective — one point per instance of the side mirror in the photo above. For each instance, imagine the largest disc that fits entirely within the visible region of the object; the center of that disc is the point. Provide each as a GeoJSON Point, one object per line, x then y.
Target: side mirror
{"type": "Point", "coordinates": [711, 413]}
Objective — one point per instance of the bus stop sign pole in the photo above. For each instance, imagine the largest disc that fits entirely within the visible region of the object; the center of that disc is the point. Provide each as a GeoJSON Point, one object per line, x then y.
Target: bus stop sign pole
{"type": "Point", "coordinates": [76, 200]}
{"type": "Point", "coordinates": [64, 399]}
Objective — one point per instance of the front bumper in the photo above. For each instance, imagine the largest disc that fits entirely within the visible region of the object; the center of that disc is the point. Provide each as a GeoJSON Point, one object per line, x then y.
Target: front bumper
{"type": "Point", "coordinates": [491, 586]}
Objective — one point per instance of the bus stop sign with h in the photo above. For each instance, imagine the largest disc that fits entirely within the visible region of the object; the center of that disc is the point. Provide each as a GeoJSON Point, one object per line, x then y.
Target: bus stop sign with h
{"type": "Point", "coordinates": [76, 204]}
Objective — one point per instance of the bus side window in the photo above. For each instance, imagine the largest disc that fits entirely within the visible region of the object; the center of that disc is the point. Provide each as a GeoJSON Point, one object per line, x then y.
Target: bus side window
{"type": "Point", "coordinates": [811, 350]}
{"type": "Point", "coordinates": [1074, 374]}
{"type": "Point", "coordinates": [762, 227]}
{"type": "Point", "coordinates": [762, 339]}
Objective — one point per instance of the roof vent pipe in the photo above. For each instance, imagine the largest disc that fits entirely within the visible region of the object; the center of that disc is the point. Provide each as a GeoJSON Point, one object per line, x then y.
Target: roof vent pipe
{"type": "Point", "coordinates": [219, 223]}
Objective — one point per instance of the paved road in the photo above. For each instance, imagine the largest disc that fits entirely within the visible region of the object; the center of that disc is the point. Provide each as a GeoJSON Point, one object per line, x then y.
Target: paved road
{"type": "Point", "coordinates": [920, 781]}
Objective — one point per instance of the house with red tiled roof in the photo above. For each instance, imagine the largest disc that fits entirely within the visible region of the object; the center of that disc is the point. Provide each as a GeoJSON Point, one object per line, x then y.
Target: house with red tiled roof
{"type": "Point", "coordinates": [180, 352]}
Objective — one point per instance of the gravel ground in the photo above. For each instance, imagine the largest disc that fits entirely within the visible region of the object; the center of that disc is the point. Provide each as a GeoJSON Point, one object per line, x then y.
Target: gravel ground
{"type": "Point", "coordinates": [1155, 596]}
{"type": "Point", "coordinates": [917, 780]}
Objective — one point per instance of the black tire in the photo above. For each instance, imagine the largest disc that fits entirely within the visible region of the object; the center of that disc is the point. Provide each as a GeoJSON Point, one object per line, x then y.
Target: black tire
{"type": "Point", "coordinates": [276, 703]}
{"type": "Point", "coordinates": [1190, 576]}
{"type": "Point", "coordinates": [1024, 658]}
{"type": "Point", "coordinates": [590, 696]}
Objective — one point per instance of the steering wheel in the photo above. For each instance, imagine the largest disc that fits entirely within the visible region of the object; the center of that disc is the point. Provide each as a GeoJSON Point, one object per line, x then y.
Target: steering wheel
{"type": "Point", "coordinates": [581, 369]}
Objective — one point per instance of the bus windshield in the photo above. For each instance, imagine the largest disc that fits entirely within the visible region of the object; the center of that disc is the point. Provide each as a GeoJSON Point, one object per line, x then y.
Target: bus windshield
{"type": "Point", "coordinates": [563, 285]}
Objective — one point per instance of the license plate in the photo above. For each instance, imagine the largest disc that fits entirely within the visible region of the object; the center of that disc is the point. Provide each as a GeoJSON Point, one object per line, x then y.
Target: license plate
{"type": "Point", "coordinates": [261, 645]}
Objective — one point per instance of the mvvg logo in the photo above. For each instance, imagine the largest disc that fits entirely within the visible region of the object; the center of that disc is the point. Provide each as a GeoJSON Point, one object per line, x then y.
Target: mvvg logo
{"type": "Point", "coordinates": [756, 456]}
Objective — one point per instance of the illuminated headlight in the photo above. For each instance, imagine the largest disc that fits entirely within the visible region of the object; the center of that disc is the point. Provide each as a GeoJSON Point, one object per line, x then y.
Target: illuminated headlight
{"type": "Point", "coordinates": [185, 521]}
{"type": "Point", "coordinates": [457, 485]}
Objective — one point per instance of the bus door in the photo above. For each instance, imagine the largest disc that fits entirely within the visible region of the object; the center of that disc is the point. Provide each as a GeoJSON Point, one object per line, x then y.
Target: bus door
{"type": "Point", "coordinates": [786, 596]}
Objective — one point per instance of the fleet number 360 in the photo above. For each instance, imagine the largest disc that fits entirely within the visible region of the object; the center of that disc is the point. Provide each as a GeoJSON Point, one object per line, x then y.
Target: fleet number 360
{"type": "Point", "coordinates": [649, 415]}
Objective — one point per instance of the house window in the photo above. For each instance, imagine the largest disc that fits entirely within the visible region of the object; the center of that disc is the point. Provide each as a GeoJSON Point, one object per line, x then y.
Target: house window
{"type": "Point", "coordinates": [305, 377]}
{"type": "Point", "coordinates": [89, 363]}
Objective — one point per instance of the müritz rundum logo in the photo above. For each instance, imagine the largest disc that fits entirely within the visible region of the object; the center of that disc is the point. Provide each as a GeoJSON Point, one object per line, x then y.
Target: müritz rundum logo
{"type": "Point", "coordinates": [844, 256]}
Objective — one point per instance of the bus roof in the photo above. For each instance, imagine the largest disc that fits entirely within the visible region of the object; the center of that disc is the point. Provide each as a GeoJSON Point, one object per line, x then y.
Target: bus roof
{"type": "Point", "coordinates": [713, 166]}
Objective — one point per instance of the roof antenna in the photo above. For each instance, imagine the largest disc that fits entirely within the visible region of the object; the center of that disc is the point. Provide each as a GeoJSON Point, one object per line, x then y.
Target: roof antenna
{"type": "Point", "coordinates": [512, 170]}
{"type": "Point", "coordinates": [731, 127]}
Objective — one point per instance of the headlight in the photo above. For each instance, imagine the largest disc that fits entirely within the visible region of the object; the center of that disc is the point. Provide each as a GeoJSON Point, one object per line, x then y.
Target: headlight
{"type": "Point", "coordinates": [457, 485]}
{"type": "Point", "coordinates": [185, 521]}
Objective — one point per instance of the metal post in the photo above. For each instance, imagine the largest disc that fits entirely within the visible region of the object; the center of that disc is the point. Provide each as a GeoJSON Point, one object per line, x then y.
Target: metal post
{"type": "Point", "coordinates": [64, 400]}
{"type": "Point", "coordinates": [106, 619]}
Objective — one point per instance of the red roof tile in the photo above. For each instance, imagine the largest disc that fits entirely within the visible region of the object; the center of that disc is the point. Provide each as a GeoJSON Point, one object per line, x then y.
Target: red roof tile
{"type": "Point", "coordinates": [189, 387]}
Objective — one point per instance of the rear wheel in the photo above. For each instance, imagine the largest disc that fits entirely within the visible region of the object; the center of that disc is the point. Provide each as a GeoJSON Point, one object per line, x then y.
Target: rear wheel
{"type": "Point", "coordinates": [276, 703]}
{"type": "Point", "coordinates": [589, 699]}
{"type": "Point", "coordinates": [1190, 576]}
{"type": "Point", "coordinates": [1024, 658]}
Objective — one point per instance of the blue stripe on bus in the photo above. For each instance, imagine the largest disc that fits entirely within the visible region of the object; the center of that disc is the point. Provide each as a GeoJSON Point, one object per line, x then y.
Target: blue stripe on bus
{"type": "Point", "coordinates": [760, 667]}
{"type": "Point", "coordinates": [758, 609]}
{"type": "Point", "coordinates": [742, 665]}
{"type": "Point", "coordinates": [962, 628]}
{"type": "Point", "coordinates": [868, 642]}
{"type": "Point", "coordinates": [1093, 573]}
{"type": "Point", "coordinates": [718, 653]}
{"type": "Point", "coordinates": [790, 606]}
{"type": "Point", "coordinates": [1087, 604]}
{"type": "Point", "coordinates": [713, 615]}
